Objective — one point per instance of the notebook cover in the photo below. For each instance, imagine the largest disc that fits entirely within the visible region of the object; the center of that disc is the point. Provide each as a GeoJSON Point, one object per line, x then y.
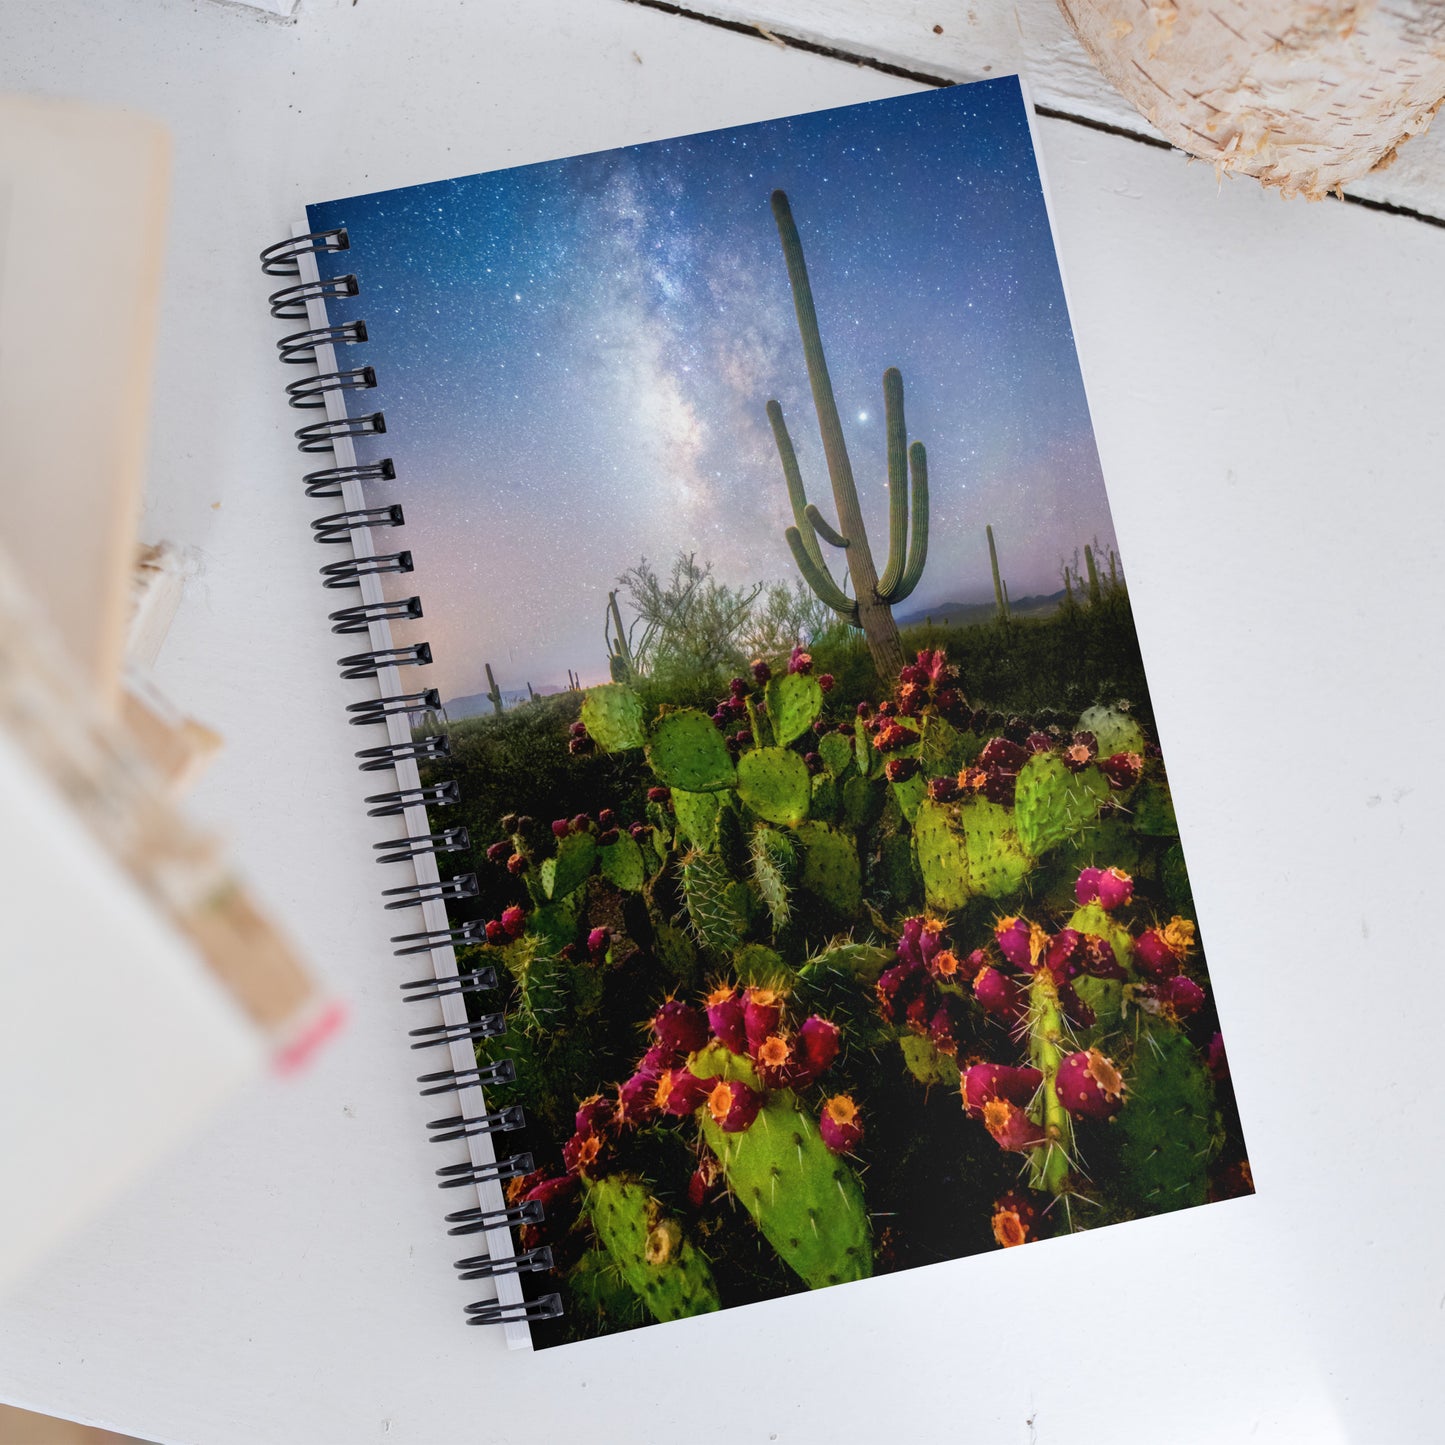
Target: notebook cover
{"type": "Point", "coordinates": [824, 841]}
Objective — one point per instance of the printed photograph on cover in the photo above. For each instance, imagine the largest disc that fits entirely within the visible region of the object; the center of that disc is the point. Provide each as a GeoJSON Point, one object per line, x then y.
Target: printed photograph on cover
{"type": "Point", "coordinates": [823, 843]}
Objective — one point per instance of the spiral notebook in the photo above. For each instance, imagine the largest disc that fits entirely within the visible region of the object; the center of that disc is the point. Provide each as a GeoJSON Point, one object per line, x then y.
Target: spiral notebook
{"type": "Point", "coordinates": [756, 713]}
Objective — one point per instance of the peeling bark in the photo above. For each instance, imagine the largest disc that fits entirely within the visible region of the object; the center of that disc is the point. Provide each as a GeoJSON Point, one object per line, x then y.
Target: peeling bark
{"type": "Point", "coordinates": [1306, 97]}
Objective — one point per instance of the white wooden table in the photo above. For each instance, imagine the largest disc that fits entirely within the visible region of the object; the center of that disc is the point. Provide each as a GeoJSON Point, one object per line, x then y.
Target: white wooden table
{"type": "Point", "coordinates": [1267, 388]}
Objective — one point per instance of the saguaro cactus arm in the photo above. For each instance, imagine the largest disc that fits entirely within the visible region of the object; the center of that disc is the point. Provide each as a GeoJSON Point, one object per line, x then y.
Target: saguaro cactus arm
{"type": "Point", "coordinates": [918, 543]}
{"type": "Point", "coordinates": [823, 527]}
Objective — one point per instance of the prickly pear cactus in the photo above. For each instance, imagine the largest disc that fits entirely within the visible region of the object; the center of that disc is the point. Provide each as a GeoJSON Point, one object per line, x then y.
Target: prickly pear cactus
{"type": "Point", "coordinates": [707, 889]}
{"type": "Point", "coordinates": [1168, 1124]}
{"type": "Point", "coordinates": [997, 863]}
{"type": "Point", "coordinates": [774, 783]}
{"type": "Point", "coordinates": [621, 863]}
{"type": "Point", "coordinates": [804, 1199]}
{"type": "Point", "coordinates": [836, 752]}
{"type": "Point", "coordinates": [612, 714]}
{"type": "Point", "coordinates": [942, 858]}
{"type": "Point", "coordinates": [570, 868]}
{"type": "Point", "coordinates": [773, 860]}
{"type": "Point", "coordinates": [1115, 731]}
{"type": "Point", "coordinates": [671, 1278]}
{"type": "Point", "coordinates": [696, 815]}
{"type": "Point", "coordinates": [1051, 804]}
{"type": "Point", "coordinates": [830, 867]}
{"type": "Point", "coordinates": [687, 751]}
{"type": "Point", "coordinates": [794, 702]}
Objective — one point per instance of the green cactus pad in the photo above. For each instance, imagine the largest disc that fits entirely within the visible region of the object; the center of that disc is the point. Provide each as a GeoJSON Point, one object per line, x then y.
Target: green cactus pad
{"type": "Point", "coordinates": [942, 858]}
{"type": "Point", "coordinates": [910, 794]}
{"type": "Point", "coordinates": [732, 834]}
{"type": "Point", "coordinates": [865, 755]}
{"type": "Point", "coordinates": [804, 1199]}
{"type": "Point", "coordinates": [836, 750]}
{"type": "Point", "coordinates": [940, 746]}
{"type": "Point", "coordinates": [794, 702]}
{"type": "Point", "coordinates": [1153, 811]}
{"type": "Point", "coordinates": [826, 798]}
{"type": "Point", "coordinates": [687, 751]}
{"type": "Point", "coordinates": [927, 1064]}
{"type": "Point", "coordinates": [898, 870]}
{"type": "Point", "coordinates": [661, 1267]}
{"type": "Point", "coordinates": [613, 716]}
{"type": "Point", "coordinates": [862, 802]}
{"type": "Point", "coordinates": [1175, 876]}
{"type": "Point", "coordinates": [773, 860]}
{"type": "Point", "coordinates": [759, 967]}
{"type": "Point", "coordinates": [1115, 730]}
{"type": "Point", "coordinates": [861, 963]}
{"type": "Point", "coordinates": [1168, 1124]}
{"type": "Point", "coordinates": [676, 952]}
{"type": "Point", "coordinates": [1090, 918]}
{"type": "Point", "coordinates": [621, 863]}
{"type": "Point", "coordinates": [600, 1296]}
{"type": "Point", "coordinates": [830, 867]}
{"type": "Point", "coordinates": [997, 863]}
{"type": "Point", "coordinates": [696, 815]}
{"type": "Point", "coordinates": [541, 979]}
{"type": "Point", "coordinates": [707, 890]}
{"type": "Point", "coordinates": [1051, 804]}
{"type": "Point", "coordinates": [775, 784]}
{"type": "Point", "coordinates": [576, 853]}
{"type": "Point", "coordinates": [556, 923]}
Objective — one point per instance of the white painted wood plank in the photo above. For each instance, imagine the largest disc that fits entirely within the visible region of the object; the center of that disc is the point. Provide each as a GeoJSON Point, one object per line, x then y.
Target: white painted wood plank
{"type": "Point", "coordinates": [966, 41]}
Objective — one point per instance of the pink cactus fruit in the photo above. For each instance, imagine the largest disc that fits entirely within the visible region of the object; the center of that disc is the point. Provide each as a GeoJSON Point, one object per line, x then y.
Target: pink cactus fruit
{"type": "Point", "coordinates": [800, 661]}
{"type": "Point", "coordinates": [760, 670]}
{"type": "Point", "coordinates": [514, 921]}
{"type": "Point", "coordinates": [1000, 753]}
{"type": "Point", "coordinates": [1010, 1125]}
{"type": "Point", "coordinates": [980, 1083]}
{"type": "Point", "coordinates": [1123, 770]}
{"type": "Point", "coordinates": [637, 1098]}
{"type": "Point", "coordinates": [703, 1185]}
{"type": "Point", "coordinates": [1014, 937]}
{"type": "Point", "coordinates": [762, 1008]}
{"type": "Point", "coordinates": [499, 852]}
{"type": "Point", "coordinates": [825, 681]}
{"type": "Point", "coordinates": [1116, 888]}
{"type": "Point", "coordinates": [582, 1152]}
{"type": "Point", "coordinates": [560, 827]}
{"type": "Point", "coordinates": [898, 988]}
{"type": "Point", "coordinates": [840, 1124]}
{"type": "Point", "coordinates": [518, 864]}
{"type": "Point", "coordinates": [1089, 1085]}
{"type": "Point", "coordinates": [814, 1048]}
{"type": "Point", "coordinates": [1216, 1058]}
{"type": "Point", "coordinates": [596, 1114]}
{"type": "Point", "coordinates": [679, 1092]}
{"type": "Point", "coordinates": [1015, 1219]}
{"type": "Point", "coordinates": [900, 770]}
{"type": "Point", "coordinates": [733, 1105]}
{"type": "Point", "coordinates": [1086, 890]}
{"type": "Point", "coordinates": [496, 934]}
{"type": "Point", "coordinates": [1065, 955]}
{"type": "Point", "coordinates": [725, 1018]}
{"type": "Point", "coordinates": [1100, 960]}
{"type": "Point", "coordinates": [559, 1205]}
{"type": "Point", "coordinates": [598, 940]}
{"type": "Point", "coordinates": [947, 1023]}
{"type": "Point", "coordinates": [944, 966]}
{"type": "Point", "coordinates": [1178, 997]}
{"type": "Point", "coordinates": [1153, 957]}
{"type": "Point", "coordinates": [774, 1056]}
{"type": "Point", "coordinates": [997, 994]}
{"type": "Point", "coordinates": [679, 1028]}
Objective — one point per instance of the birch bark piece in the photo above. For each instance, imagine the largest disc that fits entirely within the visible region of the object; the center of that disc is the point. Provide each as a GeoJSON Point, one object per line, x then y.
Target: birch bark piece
{"type": "Point", "coordinates": [1306, 97]}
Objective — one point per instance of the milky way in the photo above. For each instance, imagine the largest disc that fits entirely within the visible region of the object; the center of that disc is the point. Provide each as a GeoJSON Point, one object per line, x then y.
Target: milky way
{"type": "Point", "coordinates": [574, 359]}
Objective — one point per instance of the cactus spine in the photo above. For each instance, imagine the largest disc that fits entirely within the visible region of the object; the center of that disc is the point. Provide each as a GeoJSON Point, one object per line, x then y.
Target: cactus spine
{"type": "Point", "coordinates": [870, 608]}
{"type": "Point", "coordinates": [494, 693]}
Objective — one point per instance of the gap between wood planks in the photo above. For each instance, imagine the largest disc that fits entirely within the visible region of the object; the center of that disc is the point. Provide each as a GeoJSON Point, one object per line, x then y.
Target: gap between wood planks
{"type": "Point", "coordinates": [921, 77]}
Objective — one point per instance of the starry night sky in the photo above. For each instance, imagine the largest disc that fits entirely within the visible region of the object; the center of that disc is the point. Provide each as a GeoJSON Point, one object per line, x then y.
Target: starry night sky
{"type": "Point", "coordinates": [574, 359]}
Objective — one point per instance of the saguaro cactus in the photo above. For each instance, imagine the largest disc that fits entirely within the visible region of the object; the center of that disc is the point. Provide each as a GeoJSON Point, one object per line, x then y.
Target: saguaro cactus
{"type": "Point", "coordinates": [619, 654]}
{"type": "Point", "coordinates": [494, 693]}
{"type": "Point", "coordinates": [870, 608]}
{"type": "Point", "coordinates": [1000, 589]}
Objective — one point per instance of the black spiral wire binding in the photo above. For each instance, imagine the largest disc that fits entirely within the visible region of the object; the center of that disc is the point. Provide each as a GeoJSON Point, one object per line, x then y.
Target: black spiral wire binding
{"type": "Point", "coordinates": [318, 345]}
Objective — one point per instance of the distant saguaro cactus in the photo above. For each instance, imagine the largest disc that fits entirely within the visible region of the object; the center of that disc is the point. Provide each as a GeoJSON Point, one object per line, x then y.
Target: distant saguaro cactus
{"type": "Point", "coordinates": [1094, 590]}
{"type": "Point", "coordinates": [494, 693]}
{"type": "Point", "coordinates": [620, 662]}
{"type": "Point", "coordinates": [870, 608]}
{"type": "Point", "coordinates": [1000, 589]}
